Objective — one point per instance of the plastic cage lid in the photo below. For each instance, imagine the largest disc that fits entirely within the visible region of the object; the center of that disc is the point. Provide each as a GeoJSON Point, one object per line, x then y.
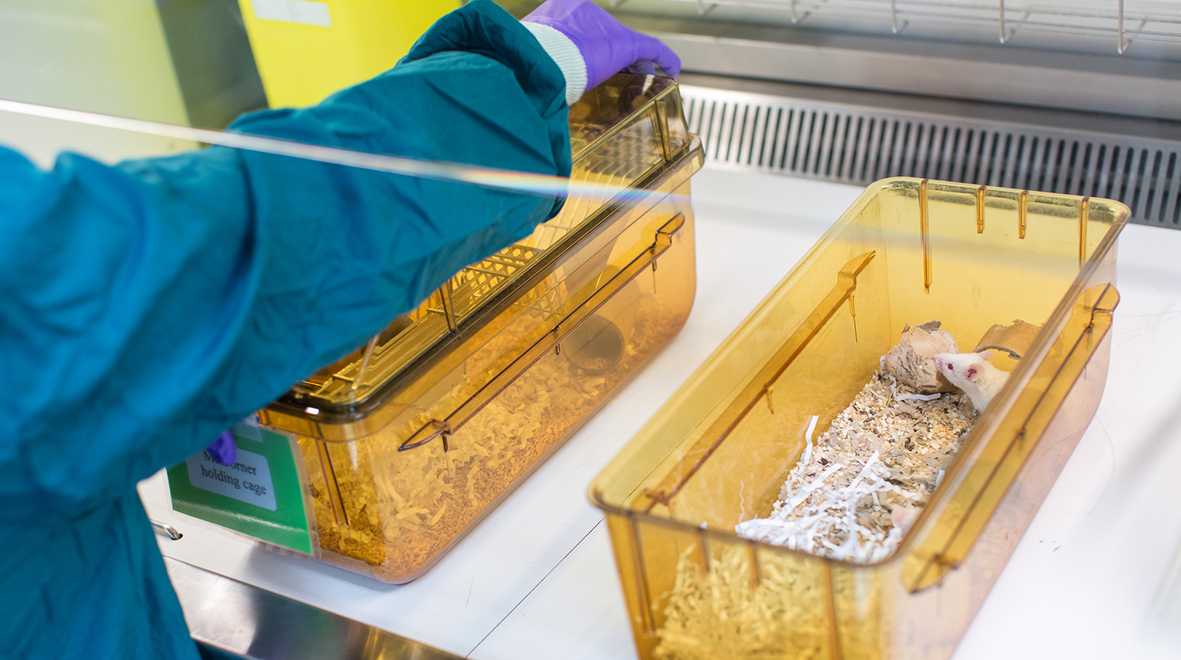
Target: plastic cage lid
{"type": "Point", "coordinates": [623, 134]}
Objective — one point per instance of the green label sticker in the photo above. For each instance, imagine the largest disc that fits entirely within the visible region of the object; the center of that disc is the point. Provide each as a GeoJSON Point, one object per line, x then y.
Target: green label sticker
{"type": "Point", "coordinates": [260, 495]}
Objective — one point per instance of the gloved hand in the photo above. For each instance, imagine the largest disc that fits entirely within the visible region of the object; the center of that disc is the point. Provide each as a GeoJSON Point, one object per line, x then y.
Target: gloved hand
{"type": "Point", "coordinates": [223, 450]}
{"type": "Point", "coordinates": [606, 45]}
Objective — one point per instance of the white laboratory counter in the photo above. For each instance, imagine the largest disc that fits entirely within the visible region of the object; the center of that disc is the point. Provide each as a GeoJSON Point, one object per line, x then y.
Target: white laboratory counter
{"type": "Point", "coordinates": [1098, 574]}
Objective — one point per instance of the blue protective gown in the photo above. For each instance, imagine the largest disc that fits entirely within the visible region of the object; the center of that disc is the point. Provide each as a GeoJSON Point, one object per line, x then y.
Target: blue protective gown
{"type": "Point", "coordinates": [145, 308]}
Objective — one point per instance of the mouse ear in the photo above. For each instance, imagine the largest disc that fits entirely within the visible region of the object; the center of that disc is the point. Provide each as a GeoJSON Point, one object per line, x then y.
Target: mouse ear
{"type": "Point", "coordinates": [986, 354]}
{"type": "Point", "coordinates": [973, 372]}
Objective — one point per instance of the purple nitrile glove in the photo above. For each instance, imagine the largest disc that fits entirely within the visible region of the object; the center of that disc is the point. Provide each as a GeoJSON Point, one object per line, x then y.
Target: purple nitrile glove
{"type": "Point", "coordinates": [606, 45]}
{"type": "Point", "coordinates": [223, 450]}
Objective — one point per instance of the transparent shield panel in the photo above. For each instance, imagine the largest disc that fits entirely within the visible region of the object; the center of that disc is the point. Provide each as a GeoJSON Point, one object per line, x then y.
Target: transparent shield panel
{"type": "Point", "coordinates": [810, 484]}
{"type": "Point", "coordinates": [413, 432]}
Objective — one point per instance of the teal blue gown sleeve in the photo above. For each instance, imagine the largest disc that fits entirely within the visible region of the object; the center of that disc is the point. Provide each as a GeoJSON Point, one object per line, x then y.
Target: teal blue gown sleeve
{"type": "Point", "coordinates": [146, 307]}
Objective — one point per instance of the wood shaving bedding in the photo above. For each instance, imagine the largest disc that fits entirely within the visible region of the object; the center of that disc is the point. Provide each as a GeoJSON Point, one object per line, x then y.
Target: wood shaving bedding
{"type": "Point", "coordinates": [854, 495]}
{"type": "Point", "coordinates": [411, 506]}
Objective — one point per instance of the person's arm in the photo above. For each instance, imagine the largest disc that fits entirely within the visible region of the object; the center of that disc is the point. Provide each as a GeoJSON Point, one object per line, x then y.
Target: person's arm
{"type": "Point", "coordinates": [145, 308]}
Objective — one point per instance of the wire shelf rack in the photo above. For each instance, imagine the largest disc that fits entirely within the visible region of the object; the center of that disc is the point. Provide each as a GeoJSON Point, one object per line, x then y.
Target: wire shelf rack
{"type": "Point", "coordinates": [627, 157]}
{"type": "Point", "coordinates": [1119, 22]}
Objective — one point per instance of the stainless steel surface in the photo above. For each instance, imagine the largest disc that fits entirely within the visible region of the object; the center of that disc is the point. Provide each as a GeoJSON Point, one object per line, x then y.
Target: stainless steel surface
{"type": "Point", "coordinates": [245, 621]}
{"type": "Point", "coordinates": [1058, 54]}
{"type": "Point", "coordinates": [845, 101]}
{"type": "Point", "coordinates": [1104, 20]}
{"type": "Point", "coordinates": [1017, 74]}
{"type": "Point", "coordinates": [769, 127]}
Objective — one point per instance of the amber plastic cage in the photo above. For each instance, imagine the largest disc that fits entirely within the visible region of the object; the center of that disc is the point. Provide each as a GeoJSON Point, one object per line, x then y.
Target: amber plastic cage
{"type": "Point", "coordinates": [908, 251]}
{"type": "Point", "coordinates": [412, 439]}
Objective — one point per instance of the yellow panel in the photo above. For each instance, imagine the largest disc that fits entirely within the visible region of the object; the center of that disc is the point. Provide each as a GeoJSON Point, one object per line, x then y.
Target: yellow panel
{"type": "Point", "coordinates": [301, 60]}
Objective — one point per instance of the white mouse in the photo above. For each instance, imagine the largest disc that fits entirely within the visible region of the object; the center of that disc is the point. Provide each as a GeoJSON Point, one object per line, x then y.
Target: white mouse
{"type": "Point", "coordinates": [973, 374]}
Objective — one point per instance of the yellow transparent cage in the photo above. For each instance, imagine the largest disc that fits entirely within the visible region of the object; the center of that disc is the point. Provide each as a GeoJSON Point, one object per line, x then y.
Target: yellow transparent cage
{"type": "Point", "coordinates": [408, 442]}
{"type": "Point", "coordinates": [908, 251]}
{"type": "Point", "coordinates": [308, 49]}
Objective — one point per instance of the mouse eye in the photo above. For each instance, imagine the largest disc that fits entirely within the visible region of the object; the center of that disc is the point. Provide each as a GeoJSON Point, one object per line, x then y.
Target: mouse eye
{"type": "Point", "coordinates": [949, 367]}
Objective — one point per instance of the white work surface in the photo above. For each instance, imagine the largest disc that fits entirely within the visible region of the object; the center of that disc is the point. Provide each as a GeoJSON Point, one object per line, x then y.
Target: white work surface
{"type": "Point", "coordinates": [1098, 574]}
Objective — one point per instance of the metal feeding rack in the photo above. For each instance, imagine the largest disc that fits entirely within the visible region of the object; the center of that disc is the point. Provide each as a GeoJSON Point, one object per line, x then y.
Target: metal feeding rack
{"type": "Point", "coordinates": [625, 157]}
{"type": "Point", "coordinates": [1119, 22]}
{"type": "Point", "coordinates": [480, 280]}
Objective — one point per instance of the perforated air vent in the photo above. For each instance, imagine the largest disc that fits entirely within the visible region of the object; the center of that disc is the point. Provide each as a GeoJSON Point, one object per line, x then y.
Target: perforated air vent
{"type": "Point", "coordinates": [859, 145]}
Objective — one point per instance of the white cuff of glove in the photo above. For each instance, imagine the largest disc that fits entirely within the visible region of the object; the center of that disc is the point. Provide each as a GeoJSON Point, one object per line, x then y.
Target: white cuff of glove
{"type": "Point", "coordinates": [566, 55]}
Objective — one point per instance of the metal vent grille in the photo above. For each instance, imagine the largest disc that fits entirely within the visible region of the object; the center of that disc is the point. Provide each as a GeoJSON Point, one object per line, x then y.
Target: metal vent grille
{"type": "Point", "coordinates": [859, 145]}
